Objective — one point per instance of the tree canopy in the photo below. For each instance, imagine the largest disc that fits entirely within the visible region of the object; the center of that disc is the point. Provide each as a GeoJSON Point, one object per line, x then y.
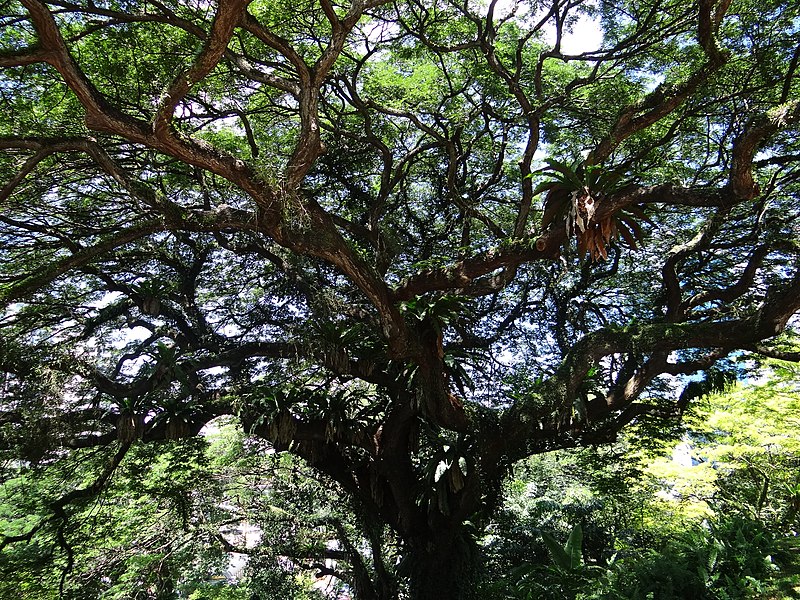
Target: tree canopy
{"type": "Point", "coordinates": [408, 242]}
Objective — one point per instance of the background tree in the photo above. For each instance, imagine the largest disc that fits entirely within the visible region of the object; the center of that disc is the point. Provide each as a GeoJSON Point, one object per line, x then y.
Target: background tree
{"type": "Point", "coordinates": [322, 218]}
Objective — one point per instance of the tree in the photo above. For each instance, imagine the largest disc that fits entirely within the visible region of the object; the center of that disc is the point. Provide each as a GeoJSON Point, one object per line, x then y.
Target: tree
{"type": "Point", "coordinates": [336, 222]}
{"type": "Point", "coordinates": [745, 445]}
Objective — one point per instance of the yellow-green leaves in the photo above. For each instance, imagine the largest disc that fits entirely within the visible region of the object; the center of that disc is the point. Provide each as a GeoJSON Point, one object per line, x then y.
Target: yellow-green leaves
{"type": "Point", "coordinates": [404, 84]}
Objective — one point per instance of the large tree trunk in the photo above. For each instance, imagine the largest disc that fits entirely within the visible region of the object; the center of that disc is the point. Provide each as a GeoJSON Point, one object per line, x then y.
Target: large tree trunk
{"type": "Point", "coordinates": [442, 565]}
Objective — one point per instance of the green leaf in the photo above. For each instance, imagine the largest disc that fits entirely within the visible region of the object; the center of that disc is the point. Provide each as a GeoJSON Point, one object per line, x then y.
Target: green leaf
{"type": "Point", "coordinates": [565, 173]}
{"type": "Point", "coordinates": [560, 556]}
{"type": "Point", "coordinates": [574, 547]}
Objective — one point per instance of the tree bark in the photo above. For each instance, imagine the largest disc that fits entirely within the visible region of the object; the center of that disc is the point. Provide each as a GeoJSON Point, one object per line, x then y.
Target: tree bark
{"type": "Point", "coordinates": [442, 564]}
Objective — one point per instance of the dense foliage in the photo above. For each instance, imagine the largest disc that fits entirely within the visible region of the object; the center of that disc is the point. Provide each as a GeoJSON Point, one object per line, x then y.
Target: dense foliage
{"type": "Point", "coordinates": [408, 243]}
{"type": "Point", "coordinates": [664, 528]}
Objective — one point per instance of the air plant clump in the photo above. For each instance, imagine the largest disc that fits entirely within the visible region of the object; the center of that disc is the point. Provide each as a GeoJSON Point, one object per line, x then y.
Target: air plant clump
{"type": "Point", "coordinates": [574, 195]}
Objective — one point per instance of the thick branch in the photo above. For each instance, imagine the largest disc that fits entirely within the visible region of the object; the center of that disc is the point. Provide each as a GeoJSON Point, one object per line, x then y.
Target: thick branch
{"type": "Point", "coordinates": [229, 13]}
{"type": "Point", "coordinates": [665, 99]}
{"type": "Point", "coordinates": [101, 116]}
{"type": "Point", "coordinates": [463, 276]}
{"type": "Point", "coordinates": [21, 58]}
{"type": "Point", "coordinates": [746, 146]}
{"type": "Point", "coordinates": [530, 424]}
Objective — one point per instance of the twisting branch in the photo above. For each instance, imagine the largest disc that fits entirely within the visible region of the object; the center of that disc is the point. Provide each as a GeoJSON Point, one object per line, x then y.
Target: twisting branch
{"type": "Point", "coordinates": [532, 115]}
{"type": "Point", "coordinates": [547, 424]}
{"type": "Point", "coordinates": [665, 99]}
{"type": "Point", "coordinates": [733, 291]}
{"type": "Point", "coordinates": [745, 146]}
{"type": "Point", "coordinates": [676, 307]}
{"type": "Point", "coordinates": [229, 14]}
{"type": "Point", "coordinates": [102, 116]}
